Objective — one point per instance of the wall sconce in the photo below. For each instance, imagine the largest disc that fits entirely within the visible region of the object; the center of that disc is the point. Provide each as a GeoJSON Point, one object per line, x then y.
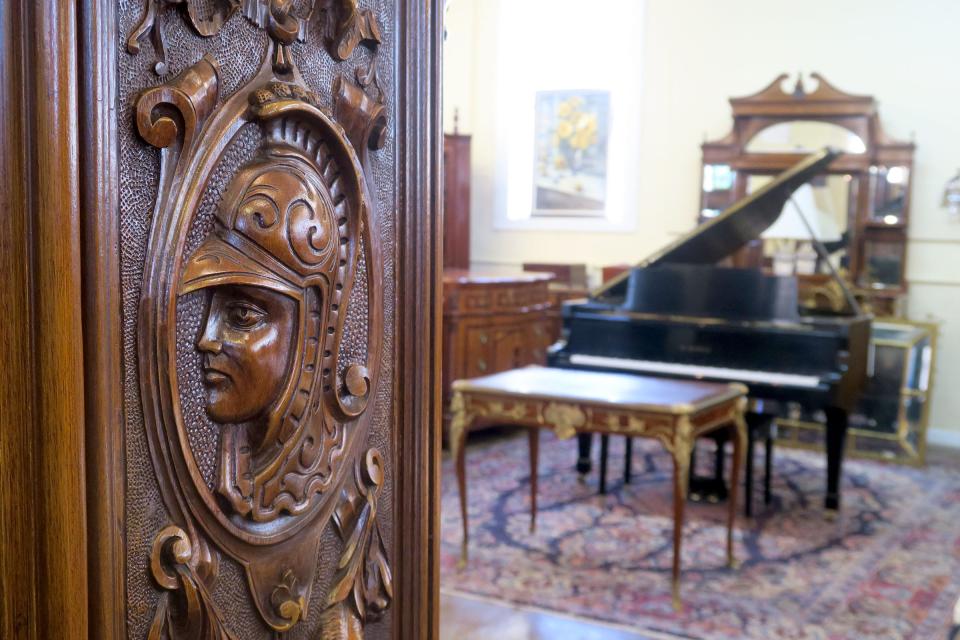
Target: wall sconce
{"type": "Point", "coordinates": [951, 196]}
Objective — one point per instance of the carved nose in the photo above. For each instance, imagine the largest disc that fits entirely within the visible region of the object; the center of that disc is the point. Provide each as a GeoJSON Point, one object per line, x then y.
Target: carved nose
{"type": "Point", "coordinates": [209, 341]}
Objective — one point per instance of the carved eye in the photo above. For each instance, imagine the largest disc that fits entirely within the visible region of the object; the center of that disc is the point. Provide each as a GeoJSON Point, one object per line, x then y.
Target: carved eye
{"type": "Point", "coordinates": [244, 316]}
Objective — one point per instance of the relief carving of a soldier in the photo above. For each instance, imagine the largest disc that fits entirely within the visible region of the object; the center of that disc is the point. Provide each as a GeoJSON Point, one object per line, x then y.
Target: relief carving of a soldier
{"type": "Point", "coordinates": [272, 268]}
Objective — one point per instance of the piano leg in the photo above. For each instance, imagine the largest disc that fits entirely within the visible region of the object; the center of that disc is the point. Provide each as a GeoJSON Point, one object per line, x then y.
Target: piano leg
{"type": "Point", "coordinates": [584, 444]}
{"type": "Point", "coordinates": [604, 446]}
{"type": "Point", "coordinates": [706, 488]}
{"type": "Point", "coordinates": [836, 438]}
{"type": "Point", "coordinates": [767, 466]}
{"type": "Point", "coordinates": [748, 479]}
{"type": "Point", "coordinates": [719, 459]}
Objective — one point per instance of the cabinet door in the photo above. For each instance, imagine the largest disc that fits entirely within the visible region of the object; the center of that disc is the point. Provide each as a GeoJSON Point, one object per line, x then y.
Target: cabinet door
{"type": "Point", "coordinates": [520, 342]}
{"type": "Point", "coordinates": [239, 434]}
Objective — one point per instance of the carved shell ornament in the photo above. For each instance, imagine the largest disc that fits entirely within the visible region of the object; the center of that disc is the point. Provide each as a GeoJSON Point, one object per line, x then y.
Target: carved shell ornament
{"type": "Point", "coordinates": [278, 271]}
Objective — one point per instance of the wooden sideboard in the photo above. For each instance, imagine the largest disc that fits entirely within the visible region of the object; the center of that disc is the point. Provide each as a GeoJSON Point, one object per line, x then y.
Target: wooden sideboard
{"type": "Point", "coordinates": [492, 322]}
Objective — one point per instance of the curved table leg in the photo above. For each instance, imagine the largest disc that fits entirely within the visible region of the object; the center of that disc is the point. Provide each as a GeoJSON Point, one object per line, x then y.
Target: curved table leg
{"type": "Point", "coordinates": [740, 444]}
{"type": "Point", "coordinates": [682, 445]}
{"type": "Point", "coordinates": [459, 423]}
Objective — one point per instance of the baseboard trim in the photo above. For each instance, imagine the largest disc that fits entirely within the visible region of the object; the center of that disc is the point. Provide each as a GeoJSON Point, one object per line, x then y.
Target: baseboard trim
{"type": "Point", "coordinates": [944, 438]}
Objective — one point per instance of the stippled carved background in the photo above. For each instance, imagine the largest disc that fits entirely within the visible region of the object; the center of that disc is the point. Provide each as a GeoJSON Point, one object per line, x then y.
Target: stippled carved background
{"type": "Point", "coordinates": [238, 48]}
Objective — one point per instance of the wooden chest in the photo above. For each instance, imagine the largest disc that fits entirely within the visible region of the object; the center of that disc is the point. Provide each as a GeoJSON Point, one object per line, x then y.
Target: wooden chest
{"type": "Point", "coordinates": [493, 322]}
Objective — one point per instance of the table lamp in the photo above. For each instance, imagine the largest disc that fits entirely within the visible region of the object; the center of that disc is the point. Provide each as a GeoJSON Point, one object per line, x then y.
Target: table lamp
{"type": "Point", "coordinates": [794, 253]}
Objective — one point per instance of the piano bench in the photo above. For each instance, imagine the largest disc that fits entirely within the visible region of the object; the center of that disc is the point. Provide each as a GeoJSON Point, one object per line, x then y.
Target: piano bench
{"type": "Point", "coordinates": [712, 489]}
{"type": "Point", "coordinates": [571, 402]}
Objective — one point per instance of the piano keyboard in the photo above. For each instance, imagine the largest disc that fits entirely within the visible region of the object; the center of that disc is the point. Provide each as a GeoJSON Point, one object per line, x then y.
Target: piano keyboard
{"type": "Point", "coordinates": [698, 371]}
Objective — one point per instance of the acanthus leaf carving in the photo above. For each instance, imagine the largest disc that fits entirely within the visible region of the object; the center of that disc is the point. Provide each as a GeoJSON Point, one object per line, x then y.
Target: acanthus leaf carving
{"type": "Point", "coordinates": [345, 26]}
{"type": "Point", "coordinates": [204, 25]}
{"type": "Point", "coordinates": [363, 578]}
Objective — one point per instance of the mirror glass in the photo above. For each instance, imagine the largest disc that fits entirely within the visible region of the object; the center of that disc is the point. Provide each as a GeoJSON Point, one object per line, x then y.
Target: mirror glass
{"type": "Point", "coordinates": [828, 203]}
{"type": "Point", "coordinates": [888, 193]}
{"type": "Point", "coordinates": [718, 193]}
{"type": "Point", "coordinates": [883, 264]}
{"type": "Point", "coordinates": [805, 136]}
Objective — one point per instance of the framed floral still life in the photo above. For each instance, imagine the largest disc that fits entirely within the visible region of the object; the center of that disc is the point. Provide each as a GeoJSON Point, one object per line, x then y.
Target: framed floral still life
{"type": "Point", "coordinates": [571, 130]}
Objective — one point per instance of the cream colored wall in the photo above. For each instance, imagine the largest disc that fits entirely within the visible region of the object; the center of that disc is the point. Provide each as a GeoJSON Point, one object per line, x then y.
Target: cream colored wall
{"type": "Point", "coordinates": [698, 53]}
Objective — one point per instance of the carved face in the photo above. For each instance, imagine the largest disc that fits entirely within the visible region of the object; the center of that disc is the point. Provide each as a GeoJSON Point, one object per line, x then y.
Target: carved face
{"type": "Point", "coordinates": [246, 343]}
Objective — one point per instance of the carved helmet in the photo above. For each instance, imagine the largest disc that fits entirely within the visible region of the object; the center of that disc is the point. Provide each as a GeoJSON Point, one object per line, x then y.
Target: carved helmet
{"type": "Point", "coordinates": [290, 221]}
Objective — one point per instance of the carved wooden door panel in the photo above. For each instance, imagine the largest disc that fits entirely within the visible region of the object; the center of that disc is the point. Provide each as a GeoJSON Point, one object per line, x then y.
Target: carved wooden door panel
{"type": "Point", "coordinates": [255, 217]}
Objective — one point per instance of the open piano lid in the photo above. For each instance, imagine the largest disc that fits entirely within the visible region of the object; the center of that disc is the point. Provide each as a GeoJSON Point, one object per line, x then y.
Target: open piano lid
{"type": "Point", "coordinates": [740, 223]}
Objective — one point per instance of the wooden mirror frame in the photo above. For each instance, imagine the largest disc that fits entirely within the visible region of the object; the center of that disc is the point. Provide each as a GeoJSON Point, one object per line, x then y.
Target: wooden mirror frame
{"type": "Point", "coordinates": [857, 114]}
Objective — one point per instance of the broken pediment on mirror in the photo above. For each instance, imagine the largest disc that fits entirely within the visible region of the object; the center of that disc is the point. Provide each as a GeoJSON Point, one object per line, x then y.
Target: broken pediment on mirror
{"type": "Point", "coordinates": [260, 327]}
{"type": "Point", "coordinates": [859, 208]}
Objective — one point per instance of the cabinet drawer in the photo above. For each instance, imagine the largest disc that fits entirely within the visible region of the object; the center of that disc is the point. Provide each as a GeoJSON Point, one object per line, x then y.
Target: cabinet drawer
{"type": "Point", "coordinates": [478, 352]}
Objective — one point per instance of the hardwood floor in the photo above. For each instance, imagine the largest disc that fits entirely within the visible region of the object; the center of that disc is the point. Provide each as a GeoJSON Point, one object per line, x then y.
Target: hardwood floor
{"type": "Point", "coordinates": [465, 617]}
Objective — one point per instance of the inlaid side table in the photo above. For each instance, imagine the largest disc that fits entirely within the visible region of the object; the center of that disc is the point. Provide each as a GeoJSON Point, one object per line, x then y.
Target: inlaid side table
{"type": "Point", "coordinates": [674, 412]}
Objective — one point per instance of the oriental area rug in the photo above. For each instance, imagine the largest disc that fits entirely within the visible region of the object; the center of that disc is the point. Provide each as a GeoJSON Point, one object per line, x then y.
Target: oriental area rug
{"type": "Point", "coordinates": [888, 567]}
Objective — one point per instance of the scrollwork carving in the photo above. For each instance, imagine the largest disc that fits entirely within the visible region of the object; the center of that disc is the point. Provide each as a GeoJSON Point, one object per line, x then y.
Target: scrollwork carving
{"type": "Point", "coordinates": [346, 26]}
{"type": "Point", "coordinates": [192, 96]}
{"type": "Point", "coordinates": [288, 601]}
{"type": "Point", "coordinates": [186, 610]}
{"type": "Point", "coordinates": [362, 117]}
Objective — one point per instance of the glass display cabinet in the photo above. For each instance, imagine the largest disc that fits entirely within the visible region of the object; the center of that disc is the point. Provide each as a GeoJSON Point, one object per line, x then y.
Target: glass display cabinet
{"type": "Point", "coordinates": [863, 201]}
{"type": "Point", "coordinates": [890, 422]}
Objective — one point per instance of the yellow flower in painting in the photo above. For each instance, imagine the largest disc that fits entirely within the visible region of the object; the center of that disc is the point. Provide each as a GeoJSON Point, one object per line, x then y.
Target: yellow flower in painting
{"type": "Point", "coordinates": [581, 140]}
{"type": "Point", "coordinates": [564, 108]}
{"type": "Point", "coordinates": [564, 129]}
{"type": "Point", "coordinates": [585, 121]}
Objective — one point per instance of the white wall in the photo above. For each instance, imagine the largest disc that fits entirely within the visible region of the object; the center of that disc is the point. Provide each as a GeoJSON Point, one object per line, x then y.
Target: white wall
{"type": "Point", "coordinates": [697, 54]}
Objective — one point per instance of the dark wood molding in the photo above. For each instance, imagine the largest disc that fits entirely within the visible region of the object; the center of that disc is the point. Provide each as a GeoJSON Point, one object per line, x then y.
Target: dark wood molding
{"type": "Point", "coordinates": [18, 579]}
{"type": "Point", "coordinates": [44, 581]}
{"type": "Point", "coordinates": [99, 201]}
{"type": "Point", "coordinates": [419, 271]}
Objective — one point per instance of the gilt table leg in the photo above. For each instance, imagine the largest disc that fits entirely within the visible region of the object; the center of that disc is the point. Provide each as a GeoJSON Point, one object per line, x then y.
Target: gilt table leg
{"type": "Point", "coordinates": [683, 443]}
{"type": "Point", "coordinates": [459, 423]}
{"type": "Point", "coordinates": [740, 442]}
{"type": "Point", "coordinates": [533, 435]}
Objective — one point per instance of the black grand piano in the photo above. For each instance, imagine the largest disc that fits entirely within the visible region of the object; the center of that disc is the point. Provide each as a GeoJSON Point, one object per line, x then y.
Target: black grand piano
{"type": "Point", "coordinates": [678, 314]}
